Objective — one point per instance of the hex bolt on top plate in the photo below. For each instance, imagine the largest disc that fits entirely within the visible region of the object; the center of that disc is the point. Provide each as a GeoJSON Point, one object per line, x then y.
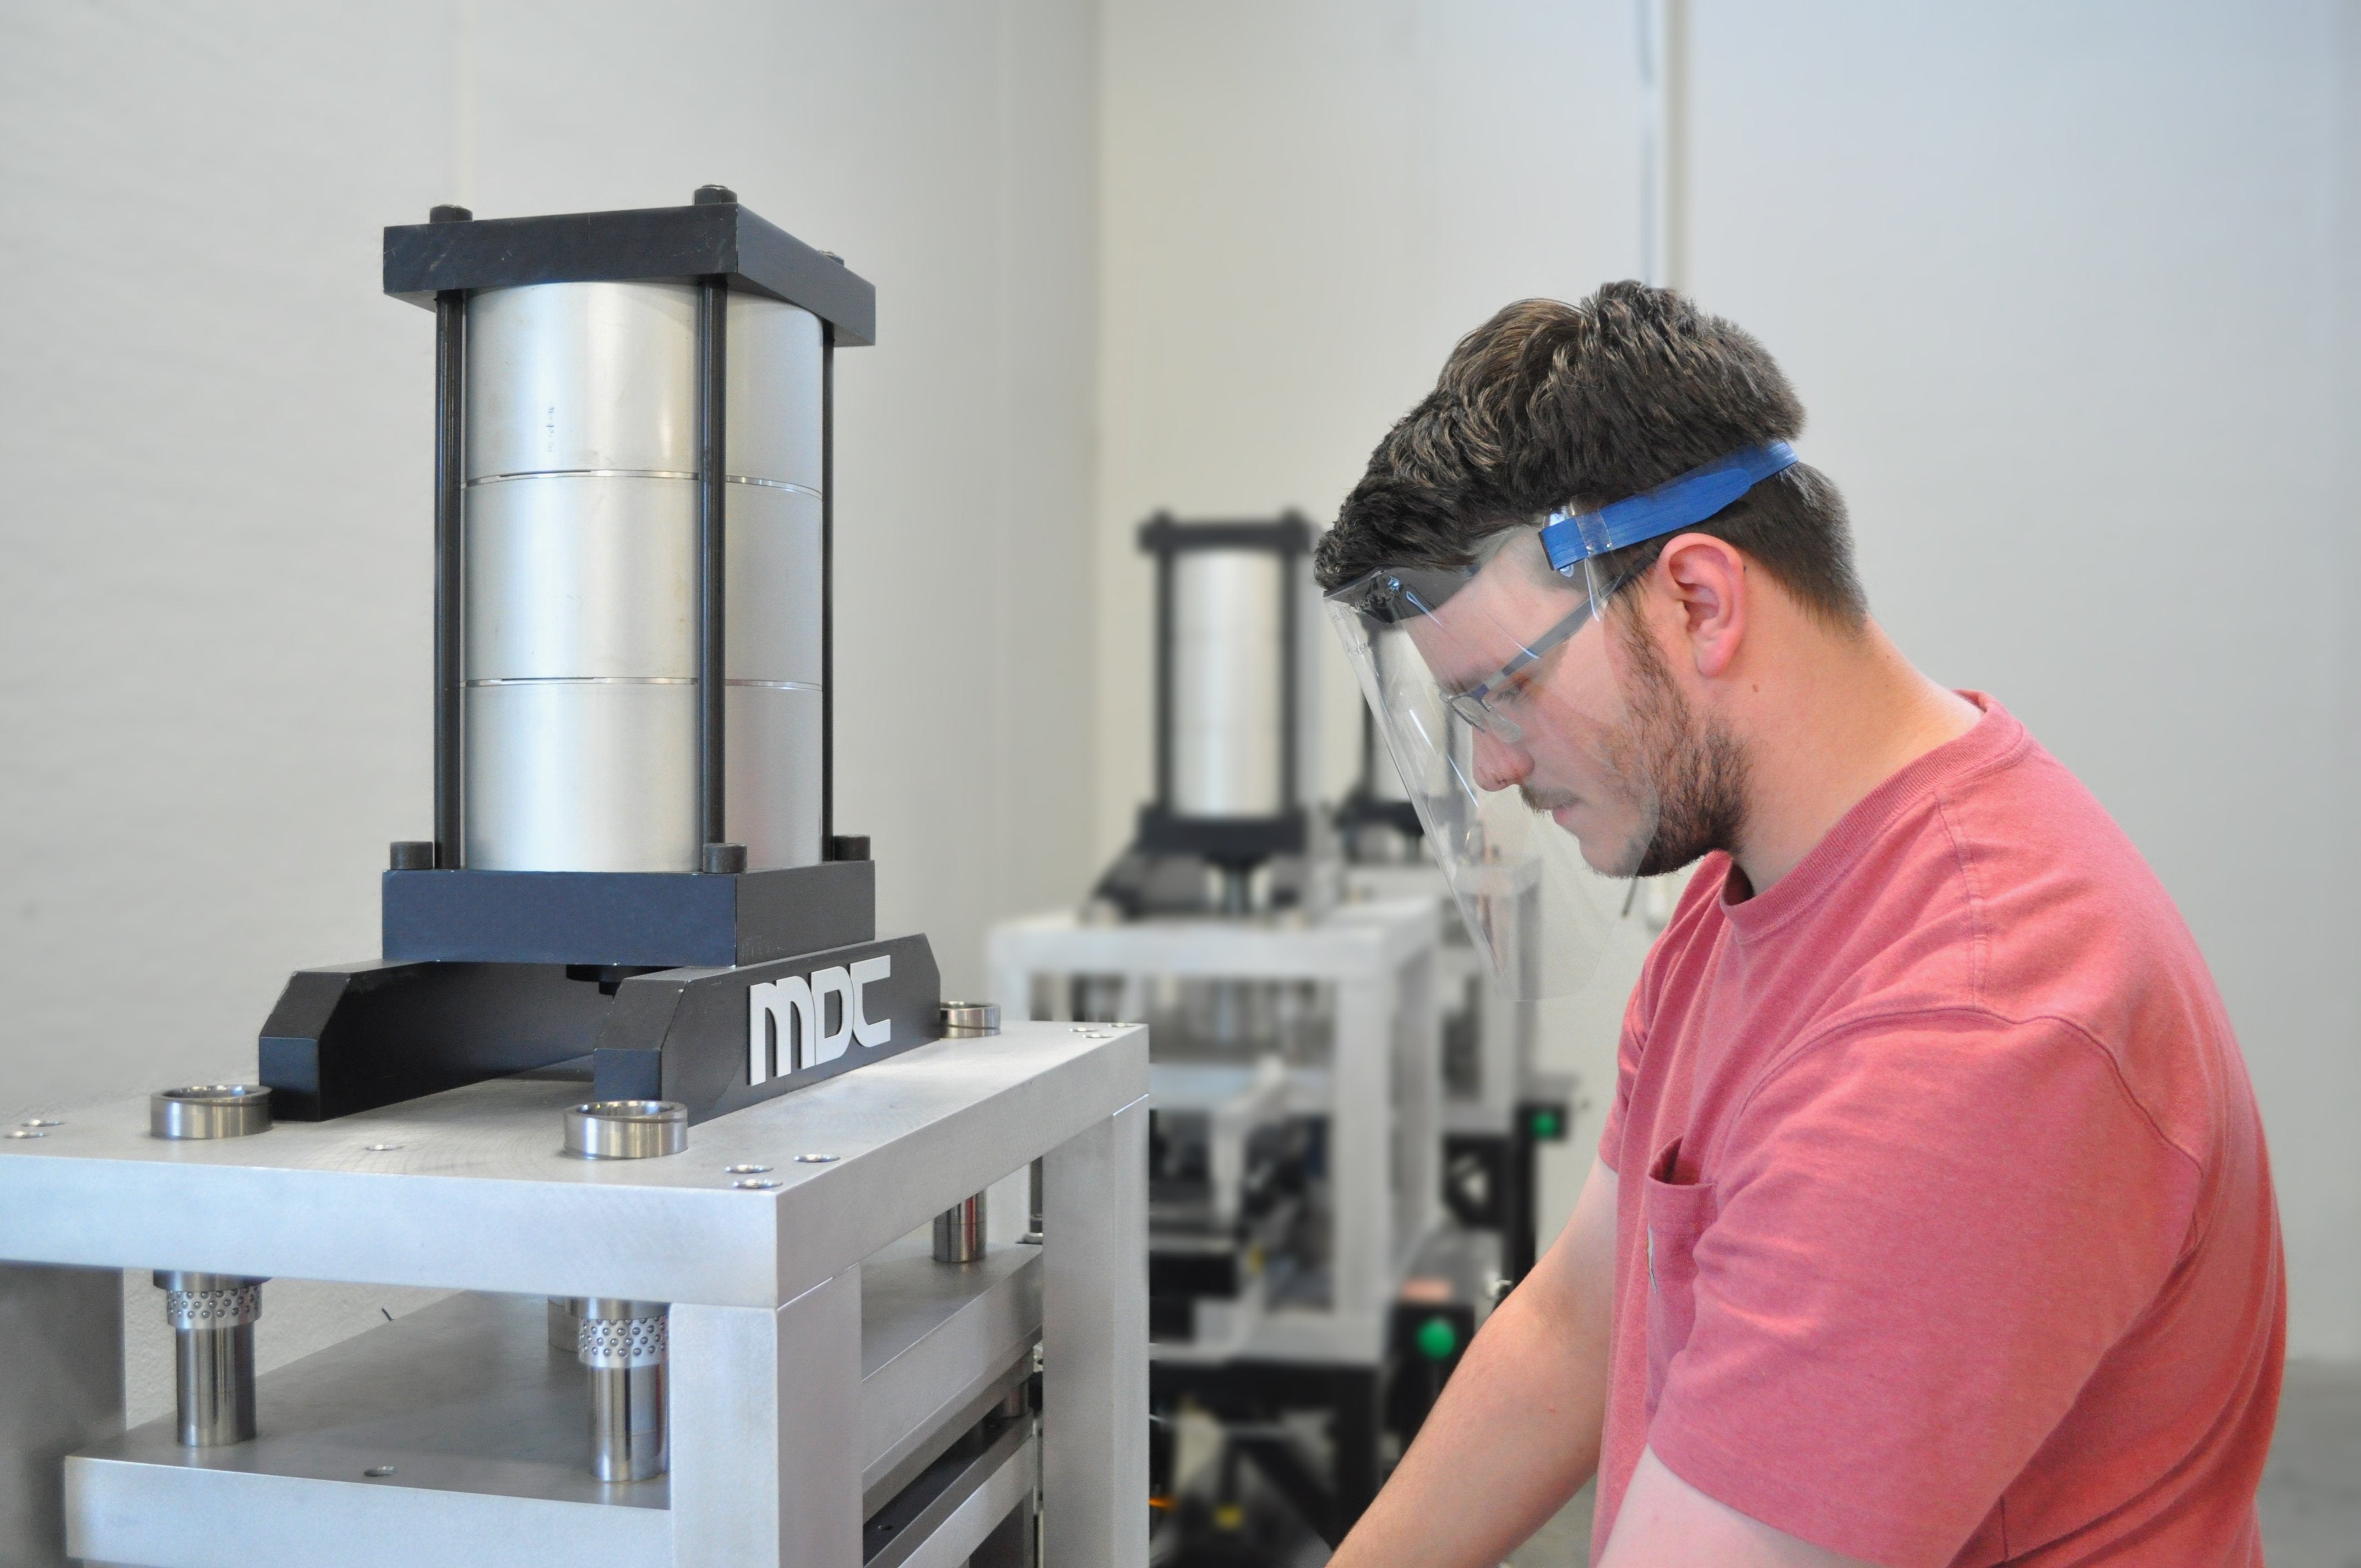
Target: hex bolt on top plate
{"type": "Point", "coordinates": [626, 1129]}
{"type": "Point", "coordinates": [816, 1159]}
{"type": "Point", "coordinates": [210, 1110]}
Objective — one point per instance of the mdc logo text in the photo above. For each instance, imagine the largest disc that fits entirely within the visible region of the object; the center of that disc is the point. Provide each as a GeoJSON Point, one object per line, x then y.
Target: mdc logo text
{"type": "Point", "coordinates": [796, 1022]}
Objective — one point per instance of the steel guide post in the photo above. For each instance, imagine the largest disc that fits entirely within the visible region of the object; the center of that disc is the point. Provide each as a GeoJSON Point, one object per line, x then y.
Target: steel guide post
{"type": "Point", "coordinates": [827, 589]}
{"type": "Point", "coordinates": [712, 557]}
{"type": "Point", "coordinates": [450, 391]}
{"type": "Point", "coordinates": [1163, 678]}
{"type": "Point", "coordinates": [212, 1318]}
{"type": "Point", "coordinates": [211, 1315]}
{"type": "Point", "coordinates": [960, 1229]}
{"type": "Point", "coordinates": [622, 1345]}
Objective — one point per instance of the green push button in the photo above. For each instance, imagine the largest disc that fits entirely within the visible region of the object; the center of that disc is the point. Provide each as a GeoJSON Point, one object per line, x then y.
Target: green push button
{"type": "Point", "coordinates": [1436, 1339]}
{"type": "Point", "coordinates": [1546, 1124]}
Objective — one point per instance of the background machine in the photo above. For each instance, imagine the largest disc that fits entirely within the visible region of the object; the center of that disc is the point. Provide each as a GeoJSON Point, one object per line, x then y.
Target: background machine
{"type": "Point", "coordinates": [1498, 1106]}
{"type": "Point", "coordinates": [716, 1297]}
{"type": "Point", "coordinates": [1306, 1294]}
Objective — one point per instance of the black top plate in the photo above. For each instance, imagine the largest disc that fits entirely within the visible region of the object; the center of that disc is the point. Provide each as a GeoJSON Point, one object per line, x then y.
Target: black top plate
{"type": "Point", "coordinates": [720, 239]}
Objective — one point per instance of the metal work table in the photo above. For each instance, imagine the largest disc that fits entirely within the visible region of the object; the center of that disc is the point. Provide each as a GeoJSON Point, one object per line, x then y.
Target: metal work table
{"type": "Point", "coordinates": [816, 1366]}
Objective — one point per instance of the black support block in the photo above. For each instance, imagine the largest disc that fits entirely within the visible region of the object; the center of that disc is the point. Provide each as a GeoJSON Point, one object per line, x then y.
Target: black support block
{"type": "Point", "coordinates": [687, 1035]}
{"type": "Point", "coordinates": [356, 1036]}
{"type": "Point", "coordinates": [1226, 840]}
{"type": "Point", "coordinates": [703, 240]}
{"type": "Point", "coordinates": [628, 919]}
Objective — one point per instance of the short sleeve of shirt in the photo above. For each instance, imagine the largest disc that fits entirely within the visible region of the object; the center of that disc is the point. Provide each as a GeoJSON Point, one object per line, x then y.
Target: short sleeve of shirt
{"type": "Point", "coordinates": [1936, 1225]}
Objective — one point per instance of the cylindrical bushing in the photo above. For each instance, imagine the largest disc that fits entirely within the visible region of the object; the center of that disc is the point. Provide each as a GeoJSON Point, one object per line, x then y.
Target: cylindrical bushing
{"type": "Point", "coordinates": [209, 1111]}
{"type": "Point", "coordinates": [622, 1345]}
{"type": "Point", "coordinates": [960, 1229]}
{"type": "Point", "coordinates": [968, 1020]}
{"type": "Point", "coordinates": [212, 1317]}
{"type": "Point", "coordinates": [626, 1129]}
{"type": "Point", "coordinates": [581, 702]}
{"type": "Point", "coordinates": [1229, 674]}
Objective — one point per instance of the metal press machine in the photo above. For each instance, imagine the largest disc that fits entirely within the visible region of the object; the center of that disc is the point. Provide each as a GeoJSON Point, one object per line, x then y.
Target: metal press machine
{"type": "Point", "coordinates": [1306, 1294]}
{"type": "Point", "coordinates": [1499, 1105]}
{"type": "Point", "coordinates": [701, 1156]}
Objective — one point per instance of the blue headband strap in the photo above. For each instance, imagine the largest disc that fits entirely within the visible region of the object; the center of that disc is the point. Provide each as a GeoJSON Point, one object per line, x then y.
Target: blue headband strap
{"type": "Point", "coordinates": [1571, 538]}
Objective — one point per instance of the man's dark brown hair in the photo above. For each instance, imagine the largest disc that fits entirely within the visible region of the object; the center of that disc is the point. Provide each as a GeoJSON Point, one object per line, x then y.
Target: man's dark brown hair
{"type": "Point", "coordinates": [1550, 405]}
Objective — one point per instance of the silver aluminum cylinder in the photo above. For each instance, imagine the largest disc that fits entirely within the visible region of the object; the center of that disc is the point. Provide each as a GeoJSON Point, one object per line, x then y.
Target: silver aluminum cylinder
{"type": "Point", "coordinates": [212, 1318]}
{"type": "Point", "coordinates": [1229, 664]}
{"type": "Point", "coordinates": [580, 623]}
{"type": "Point", "coordinates": [623, 1346]}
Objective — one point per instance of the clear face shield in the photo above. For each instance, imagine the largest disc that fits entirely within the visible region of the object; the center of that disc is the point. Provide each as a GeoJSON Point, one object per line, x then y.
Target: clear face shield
{"type": "Point", "coordinates": [1495, 688]}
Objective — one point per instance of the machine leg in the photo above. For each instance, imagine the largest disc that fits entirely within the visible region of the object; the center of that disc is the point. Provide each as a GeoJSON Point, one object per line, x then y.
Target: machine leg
{"type": "Point", "coordinates": [1519, 1209]}
{"type": "Point", "coordinates": [1360, 1148]}
{"type": "Point", "coordinates": [1354, 1430]}
{"type": "Point", "coordinates": [1094, 1338]}
{"type": "Point", "coordinates": [1010, 1545]}
{"type": "Point", "coordinates": [766, 1409]}
{"type": "Point", "coordinates": [64, 1393]}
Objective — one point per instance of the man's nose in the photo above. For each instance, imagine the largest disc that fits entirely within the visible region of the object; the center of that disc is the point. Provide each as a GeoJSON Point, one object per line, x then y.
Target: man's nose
{"type": "Point", "coordinates": [1499, 764]}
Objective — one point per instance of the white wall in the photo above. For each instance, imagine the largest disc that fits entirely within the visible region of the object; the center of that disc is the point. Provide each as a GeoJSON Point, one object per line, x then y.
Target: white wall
{"type": "Point", "coordinates": [1305, 204]}
{"type": "Point", "coordinates": [215, 435]}
{"type": "Point", "coordinates": [2070, 292]}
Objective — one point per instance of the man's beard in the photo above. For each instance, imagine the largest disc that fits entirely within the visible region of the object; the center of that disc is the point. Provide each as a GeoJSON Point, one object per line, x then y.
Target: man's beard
{"type": "Point", "coordinates": [1693, 774]}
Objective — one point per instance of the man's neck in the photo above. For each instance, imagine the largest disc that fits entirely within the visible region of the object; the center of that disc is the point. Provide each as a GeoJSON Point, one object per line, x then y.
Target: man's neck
{"type": "Point", "coordinates": [1846, 712]}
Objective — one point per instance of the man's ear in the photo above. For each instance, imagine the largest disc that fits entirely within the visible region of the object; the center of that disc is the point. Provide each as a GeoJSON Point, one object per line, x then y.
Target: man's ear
{"type": "Point", "coordinates": [1705, 578]}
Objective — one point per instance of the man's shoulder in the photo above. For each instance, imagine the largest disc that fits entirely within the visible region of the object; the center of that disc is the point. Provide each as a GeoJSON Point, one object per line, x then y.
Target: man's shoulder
{"type": "Point", "coordinates": [2025, 895]}
{"type": "Point", "coordinates": [2067, 917]}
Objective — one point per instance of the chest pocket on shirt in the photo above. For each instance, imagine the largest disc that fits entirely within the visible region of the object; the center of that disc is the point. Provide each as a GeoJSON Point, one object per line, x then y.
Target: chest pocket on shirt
{"type": "Point", "coordinates": [1675, 1213]}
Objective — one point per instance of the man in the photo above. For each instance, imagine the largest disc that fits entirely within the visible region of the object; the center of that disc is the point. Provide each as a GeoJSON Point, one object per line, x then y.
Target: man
{"type": "Point", "coordinates": [1932, 1222]}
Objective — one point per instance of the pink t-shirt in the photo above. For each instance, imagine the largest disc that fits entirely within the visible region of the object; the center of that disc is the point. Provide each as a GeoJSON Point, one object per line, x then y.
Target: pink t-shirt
{"type": "Point", "coordinates": [1946, 1232]}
